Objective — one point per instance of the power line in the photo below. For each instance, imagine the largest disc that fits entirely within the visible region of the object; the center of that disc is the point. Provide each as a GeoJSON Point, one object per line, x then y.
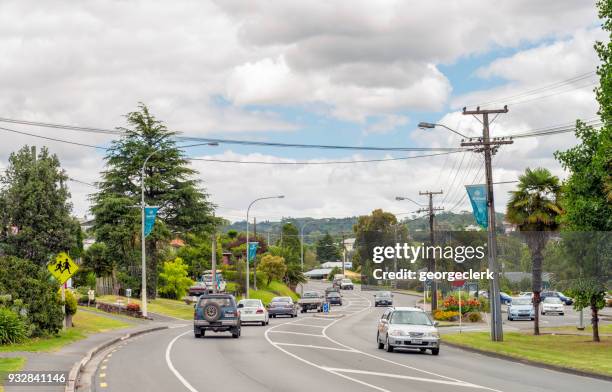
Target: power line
{"type": "Point", "coordinates": [51, 138]}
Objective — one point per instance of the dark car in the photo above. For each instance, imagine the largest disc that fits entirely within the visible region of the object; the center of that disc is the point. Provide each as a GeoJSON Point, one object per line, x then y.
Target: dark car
{"type": "Point", "coordinates": [282, 306]}
{"type": "Point", "coordinates": [218, 313]}
{"type": "Point", "coordinates": [333, 298]}
{"type": "Point", "coordinates": [333, 289]}
{"type": "Point", "coordinates": [563, 298]}
{"type": "Point", "coordinates": [505, 299]}
{"type": "Point", "coordinates": [383, 298]}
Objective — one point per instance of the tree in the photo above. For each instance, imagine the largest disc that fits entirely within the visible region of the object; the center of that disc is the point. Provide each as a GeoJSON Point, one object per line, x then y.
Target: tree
{"type": "Point", "coordinates": [587, 196]}
{"type": "Point", "coordinates": [294, 276]}
{"type": "Point", "coordinates": [174, 280]}
{"type": "Point", "coordinates": [169, 183]}
{"type": "Point", "coordinates": [327, 249]}
{"type": "Point", "coordinates": [273, 266]}
{"type": "Point", "coordinates": [34, 207]}
{"type": "Point", "coordinates": [290, 241]}
{"type": "Point", "coordinates": [534, 208]}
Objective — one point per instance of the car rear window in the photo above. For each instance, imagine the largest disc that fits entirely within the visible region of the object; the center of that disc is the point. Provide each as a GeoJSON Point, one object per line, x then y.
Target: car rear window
{"type": "Point", "coordinates": [281, 299]}
{"type": "Point", "coordinates": [219, 301]}
{"type": "Point", "coordinates": [251, 303]}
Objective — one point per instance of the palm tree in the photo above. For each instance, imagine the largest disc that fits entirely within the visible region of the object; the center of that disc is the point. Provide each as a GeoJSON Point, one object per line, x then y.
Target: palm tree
{"type": "Point", "coordinates": [534, 208]}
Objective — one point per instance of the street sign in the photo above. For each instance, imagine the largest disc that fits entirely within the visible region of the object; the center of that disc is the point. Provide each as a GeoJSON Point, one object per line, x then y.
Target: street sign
{"type": "Point", "coordinates": [326, 307]}
{"type": "Point", "coordinates": [458, 283]}
{"type": "Point", "coordinates": [62, 268]}
{"type": "Point", "coordinates": [128, 293]}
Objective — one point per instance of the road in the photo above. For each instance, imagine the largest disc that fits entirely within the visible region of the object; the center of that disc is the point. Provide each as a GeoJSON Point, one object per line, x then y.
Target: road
{"type": "Point", "coordinates": [313, 354]}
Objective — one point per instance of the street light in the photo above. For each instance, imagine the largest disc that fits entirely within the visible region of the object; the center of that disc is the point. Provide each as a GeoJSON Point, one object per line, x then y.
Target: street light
{"type": "Point", "coordinates": [401, 198]}
{"type": "Point", "coordinates": [143, 290]}
{"type": "Point", "coordinates": [427, 125]}
{"type": "Point", "coordinates": [247, 238]}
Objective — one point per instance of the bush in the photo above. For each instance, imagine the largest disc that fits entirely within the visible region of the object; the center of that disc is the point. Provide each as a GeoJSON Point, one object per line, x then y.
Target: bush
{"type": "Point", "coordinates": [13, 328]}
{"type": "Point", "coordinates": [133, 307]}
{"type": "Point", "coordinates": [32, 284]}
{"type": "Point", "coordinates": [70, 303]}
{"type": "Point", "coordinates": [451, 303]}
{"type": "Point", "coordinates": [273, 266]}
{"type": "Point", "coordinates": [474, 317]}
{"type": "Point", "coordinates": [443, 315]}
{"type": "Point", "coordinates": [174, 282]}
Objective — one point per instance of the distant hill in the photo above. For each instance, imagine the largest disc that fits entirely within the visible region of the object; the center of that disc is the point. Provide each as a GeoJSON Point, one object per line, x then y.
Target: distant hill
{"type": "Point", "coordinates": [315, 228]}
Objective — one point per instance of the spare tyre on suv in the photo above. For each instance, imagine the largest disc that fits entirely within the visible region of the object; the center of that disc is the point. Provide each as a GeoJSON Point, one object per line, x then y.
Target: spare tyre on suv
{"type": "Point", "coordinates": [218, 313]}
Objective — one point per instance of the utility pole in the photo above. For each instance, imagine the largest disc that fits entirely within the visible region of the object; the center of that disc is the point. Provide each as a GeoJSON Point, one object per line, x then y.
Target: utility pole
{"type": "Point", "coordinates": [489, 147]}
{"type": "Point", "coordinates": [214, 261]}
{"type": "Point", "coordinates": [343, 256]}
{"type": "Point", "coordinates": [432, 261]}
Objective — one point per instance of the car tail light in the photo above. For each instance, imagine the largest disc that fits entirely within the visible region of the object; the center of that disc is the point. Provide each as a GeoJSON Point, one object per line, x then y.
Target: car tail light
{"type": "Point", "coordinates": [232, 314]}
{"type": "Point", "coordinates": [260, 310]}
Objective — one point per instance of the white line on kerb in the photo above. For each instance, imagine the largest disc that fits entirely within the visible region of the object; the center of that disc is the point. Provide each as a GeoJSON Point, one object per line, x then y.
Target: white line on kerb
{"type": "Point", "coordinates": [171, 366]}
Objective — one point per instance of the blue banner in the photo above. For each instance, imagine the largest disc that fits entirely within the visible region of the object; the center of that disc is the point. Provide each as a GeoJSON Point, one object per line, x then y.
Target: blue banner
{"type": "Point", "coordinates": [252, 249]}
{"type": "Point", "coordinates": [478, 198]}
{"type": "Point", "coordinates": [150, 214]}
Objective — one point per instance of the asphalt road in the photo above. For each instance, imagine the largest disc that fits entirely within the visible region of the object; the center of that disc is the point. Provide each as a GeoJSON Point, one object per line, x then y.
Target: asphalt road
{"type": "Point", "coordinates": [314, 354]}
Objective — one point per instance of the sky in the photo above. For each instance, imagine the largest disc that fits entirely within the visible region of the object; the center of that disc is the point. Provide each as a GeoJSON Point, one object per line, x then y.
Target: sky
{"type": "Point", "coordinates": [354, 72]}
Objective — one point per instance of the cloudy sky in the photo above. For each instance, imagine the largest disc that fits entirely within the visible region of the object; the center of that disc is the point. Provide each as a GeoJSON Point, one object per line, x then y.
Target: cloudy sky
{"type": "Point", "coordinates": [354, 72]}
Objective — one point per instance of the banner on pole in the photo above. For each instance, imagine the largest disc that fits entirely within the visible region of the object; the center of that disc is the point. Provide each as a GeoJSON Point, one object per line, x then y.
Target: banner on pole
{"type": "Point", "coordinates": [478, 199]}
{"type": "Point", "coordinates": [252, 250]}
{"type": "Point", "coordinates": [150, 214]}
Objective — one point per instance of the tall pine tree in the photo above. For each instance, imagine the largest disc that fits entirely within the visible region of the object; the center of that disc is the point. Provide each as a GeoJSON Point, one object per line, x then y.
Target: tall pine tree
{"type": "Point", "coordinates": [169, 184]}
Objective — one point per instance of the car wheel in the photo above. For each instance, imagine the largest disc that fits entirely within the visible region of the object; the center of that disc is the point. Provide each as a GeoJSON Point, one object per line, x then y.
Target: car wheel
{"type": "Point", "coordinates": [380, 344]}
{"type": "Point", "coordinates": [197, 335]}
{"type": "Point", "coordinates": [435, 351]}
{"type": "Point", "coordinates": [387, 346]}
{"type": "Point", "coordinates": [543, 313]}
{"type": "Point", "coordinates": [561, 314]}
{"type": "Point", "coordinates": [263, 323]}
{"type": "Point", "coordinates": [236, 333]}
{"type": "Point", "coordinates": [509, 318]}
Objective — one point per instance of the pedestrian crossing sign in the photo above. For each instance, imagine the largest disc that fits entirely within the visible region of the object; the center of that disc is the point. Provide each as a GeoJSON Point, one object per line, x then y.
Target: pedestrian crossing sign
{"type": "Point", "coordinates": [62, 268]}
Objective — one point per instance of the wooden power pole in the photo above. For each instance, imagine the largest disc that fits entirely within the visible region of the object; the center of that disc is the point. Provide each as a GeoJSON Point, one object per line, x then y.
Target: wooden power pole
{"type": "Point", "coordinates": [432, 261]}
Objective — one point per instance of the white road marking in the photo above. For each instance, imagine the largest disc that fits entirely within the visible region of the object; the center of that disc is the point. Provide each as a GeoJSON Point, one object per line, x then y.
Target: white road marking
{"type": "Point", "coordinates": [317, 347]}
{"type": "Point", "coordinates": [171, 366]}
{"type": "Point", "coordinates": [297, 333]}
{"type": "Point", "coordinates": [308, 325]}
{"type": "Point", "coordinates": [404, 377]}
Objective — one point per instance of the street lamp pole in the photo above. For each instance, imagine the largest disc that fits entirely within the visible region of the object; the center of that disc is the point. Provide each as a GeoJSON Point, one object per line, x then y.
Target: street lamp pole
{"type": "Point", "coordinates": [247, 238]}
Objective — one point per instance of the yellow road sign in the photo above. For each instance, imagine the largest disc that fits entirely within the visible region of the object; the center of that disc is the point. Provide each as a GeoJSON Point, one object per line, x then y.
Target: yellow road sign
{"type": "Point", "coordinates": [62, 268]}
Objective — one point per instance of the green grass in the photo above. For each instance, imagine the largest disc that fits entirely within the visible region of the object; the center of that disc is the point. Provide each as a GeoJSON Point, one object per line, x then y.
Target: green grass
{"type": "Point", "coordinates": [163, 306]}
{"type": "Point", "coordinates": [603, 328]}
{"type": "Point", "coordinates": [84, 324]}
{"type": "Point", "coordinates": [570, 351]}
{"type": "Point", "coordinates": [10, 365]}
{"type": "Point", "coordinates": [274, 289]}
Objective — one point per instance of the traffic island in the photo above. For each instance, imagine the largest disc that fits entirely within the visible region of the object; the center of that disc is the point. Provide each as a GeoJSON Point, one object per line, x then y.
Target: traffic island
{"type": "Point", "coordinates": [328, 315]}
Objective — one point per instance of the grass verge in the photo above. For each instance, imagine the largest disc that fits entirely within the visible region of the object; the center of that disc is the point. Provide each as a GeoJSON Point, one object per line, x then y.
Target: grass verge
{"type": "Point", "coordinates": [10, 365]}
{"type": "Point", "coordinates": [274, 289]}
{"type": "Point", "coordinates": [568, 351]}
{"type": "Point", "coordinates": [85, 323]}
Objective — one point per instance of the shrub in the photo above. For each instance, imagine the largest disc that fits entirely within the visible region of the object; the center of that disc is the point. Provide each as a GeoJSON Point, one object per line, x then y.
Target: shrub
{"type": "Point", "coordinates": [445, 315]}
{"type": "Point", "coordinates": [70, 303]}
{"type": "Point", "coordinates": [32, 284]}
{"type": "Point", "coordinates": [174, 281]}
{"type": "Point", "coordinates": [474, 317]}
{"type": "Point", "coordinates": [13, 328]}
{"type": "Point", "coordinates": [133, 307]}
{"type": "Point", "coordinates": [273, 266]}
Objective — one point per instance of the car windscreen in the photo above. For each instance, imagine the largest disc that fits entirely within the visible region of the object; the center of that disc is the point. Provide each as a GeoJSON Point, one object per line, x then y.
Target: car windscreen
{"type": "Point", "coordinates": [410, 318]}
{"type": "Point", "coordinates": [521, 301]}
{"type": "Point", "coordinates": [310, 295]}
{"type": "Point", "coordinates": [383, 294]}
{"type": "Point", "coordinates": [251, 303]}
{"type": "Point", "coordinates": [333, 295]}
{"type": "Point", "coordinates": [219, 301]}
{"type": "Point", "coordinates": [281, 299]}
{"type": "Point", "coordinates": [552, 300]}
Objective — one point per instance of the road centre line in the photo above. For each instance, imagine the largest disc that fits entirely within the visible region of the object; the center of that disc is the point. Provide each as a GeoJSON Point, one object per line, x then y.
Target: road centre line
{"type": "Point", "coordinates": [296, 333]}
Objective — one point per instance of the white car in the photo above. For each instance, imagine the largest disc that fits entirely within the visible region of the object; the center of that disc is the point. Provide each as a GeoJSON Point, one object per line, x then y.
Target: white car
{"type": "Point", "coordinates": [553, 305]}
{"type": "Point", "coordinates": [346, 284]}
{"type": "Point", "coordinates": [253, 311]}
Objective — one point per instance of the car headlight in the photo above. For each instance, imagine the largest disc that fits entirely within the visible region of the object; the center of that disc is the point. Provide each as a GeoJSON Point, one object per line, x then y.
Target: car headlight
{"type": "Point", "coordinates": [397, 332]}
{"type": "Point", "coordinates": [432, 335]}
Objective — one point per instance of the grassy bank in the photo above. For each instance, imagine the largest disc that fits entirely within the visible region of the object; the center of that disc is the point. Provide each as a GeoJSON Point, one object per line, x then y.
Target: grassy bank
{"type": "Point", "coordinates": [569, 351]}
{"type": "Point", "coordinates": [85, 323]}
{"type": "Point", "coordinates": [10, 365]}
{"type": "Point", "coordinates": [274, 289]}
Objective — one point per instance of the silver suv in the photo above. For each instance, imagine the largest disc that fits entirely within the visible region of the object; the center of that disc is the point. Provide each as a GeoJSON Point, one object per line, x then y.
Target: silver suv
{"type": "Point", "coordinates": [407, 328]}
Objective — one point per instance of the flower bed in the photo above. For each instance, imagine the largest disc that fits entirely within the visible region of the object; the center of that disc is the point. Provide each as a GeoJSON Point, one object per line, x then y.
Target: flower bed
{"type": "Point", "coordinates": [132, 309]}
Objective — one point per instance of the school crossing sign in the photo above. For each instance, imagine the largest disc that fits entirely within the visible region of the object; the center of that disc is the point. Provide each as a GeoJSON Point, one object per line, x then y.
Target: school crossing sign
{"type": "Point", "coordinates": [62, 268]}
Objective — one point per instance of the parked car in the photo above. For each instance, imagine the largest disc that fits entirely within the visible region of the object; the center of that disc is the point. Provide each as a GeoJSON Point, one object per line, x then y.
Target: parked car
{"type": "Point", "coordinates": [346, 284]}
{"type": "Point", "coordinates": [608, 299]}
{"type": "Point", "coordinates": [407, 328]}
{"type": "Point", "coordinates": [333, 298]}
{"type": "Point", "coordinates": [253, 311]}
{"type": "Point", "coordinates": [216, 312]}
{"type": "Point", "coordinates": [383, 298]}
{"type": "Point", "coordinates": [526, 294]}
{"type": "Point", "coordinates": [521, 308]}
{"type": "Point", "coordinates": [566, 300]}
{"type": "Point", "coordinates": [505, 298]}
{"type": "Point", "coordinates": [282, 306]}
{"type": "Point", "coordinates": [553, 305]}
{"type": "Point", "coordinates": [311, 300]}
